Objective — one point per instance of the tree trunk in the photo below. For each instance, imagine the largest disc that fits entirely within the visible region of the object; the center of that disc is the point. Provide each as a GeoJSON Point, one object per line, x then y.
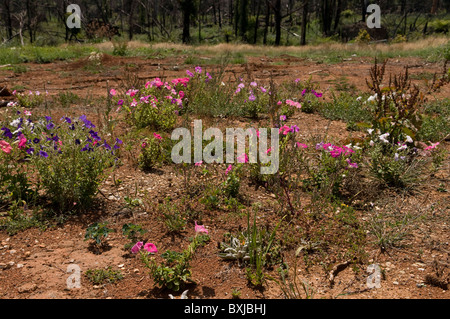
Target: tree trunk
{"type": "Point", "coordinates": [243, 20]}
{"type": "Point", "coordinates": [337, 16]}
{"type": "Point", "coordinates": [29, 18]}
{"type": "Point", "coordinates": [267, 21]}
{"type": "Point", "coordinates": [258, 13]}
{"type": "Point", "coordinates": [278, 19]}
{"type": "Point", "coordinates": [304, 21]}
{"type": "Point", "coordinates": [7, 5]}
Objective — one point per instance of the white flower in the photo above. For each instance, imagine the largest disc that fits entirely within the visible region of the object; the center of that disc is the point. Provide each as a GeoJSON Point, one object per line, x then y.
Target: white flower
{"type": "Point", "coordinates": [370, 130]}
{"type": "Point", "coordinates": [15, 123]}
{"type": "Point", "coordinates": [383, 137]}
{"type": "Point", "coordinates": [372, 98]}
{"type": "Point", "coordinates": [359, 98]}
{"type": "Point", "coordinates": [403, 147]}
{"type": "Point", "coordinates": [409, 139]}
{"type": "Point", "coordinates": [371, 143]}
{"type": "Point", "coordinates": [396, 157]}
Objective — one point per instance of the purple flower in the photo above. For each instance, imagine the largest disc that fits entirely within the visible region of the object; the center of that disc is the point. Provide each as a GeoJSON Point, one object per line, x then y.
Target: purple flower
{"type": "Point", "coordinates": [50, 126]}
{"type": "Point", "coordinates": [107, 146]}
{"type": "Point", "coordinates": [120, 102]}
{"type": "Point", "coordinates": [189, 73]}
{"type": "Point", "coordinates": [30, 151]}
{"type": "Point", "coordinates": [295, 128]}
{"type": "Point", "coordinates": [48, 118]}
{"type": "Point", "coordinates": [43, 154]}
{"type": "Point", "coordinates": [7, 132]}
{"type": "Point", "coordinates": [283, 118]}
{"type": "Point", "coordinates": [198, 69]}
{"type": "Point", "coordinates": [118, 141]}
{"type": "Point", "coordinates": [36, 140]}
{"type": "Point", "coordinates": [252, 97]}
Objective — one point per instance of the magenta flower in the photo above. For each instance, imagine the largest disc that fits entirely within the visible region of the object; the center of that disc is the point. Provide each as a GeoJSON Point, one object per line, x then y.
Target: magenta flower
{"type": "Point", "coordinates": [283, 118]}
{"type": "Point", "coordinates": [199, 163]}
{"type": "Point", "coordinates": [200, 229]}
{"type": "Point", "coordinates": [138, 246]}
{"type": "Point", "coordinates": [229, 168]}
{"type": "Point", "coordinates": [22, 141]}
{"type": "Point", "coordinates": [151, 248]}
{"type": "Point", "coordinates": [113, 92]}
{"type": "Point", "coordinates": [157, 136]}
{"type": "Point", "coordinates": [300, 145]}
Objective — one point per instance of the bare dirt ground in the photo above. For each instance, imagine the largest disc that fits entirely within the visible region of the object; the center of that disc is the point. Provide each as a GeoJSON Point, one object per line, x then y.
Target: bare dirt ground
{"type": "Point", "coordinates": [36, 261]}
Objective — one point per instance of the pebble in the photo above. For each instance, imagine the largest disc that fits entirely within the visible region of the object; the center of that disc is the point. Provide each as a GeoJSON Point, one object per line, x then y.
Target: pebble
{"type": "Point", "coordinates": [29, 287]}
{"type": "Point", "coordinates": [136, 270]}
{"type": "Point", "coordinates": [19, 265]}
{"type": "Point", "coordinates": [395, 282]}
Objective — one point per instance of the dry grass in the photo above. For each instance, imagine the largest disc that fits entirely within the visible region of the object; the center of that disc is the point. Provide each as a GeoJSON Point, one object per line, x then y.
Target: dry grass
{"type": "Point", "coordinates": [423, 44]}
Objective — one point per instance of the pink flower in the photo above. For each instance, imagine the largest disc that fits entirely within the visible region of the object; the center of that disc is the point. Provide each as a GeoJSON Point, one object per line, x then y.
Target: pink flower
{"type": "Point", "coordinates": [199, 163]}
{"type": "Point", "coordinates": [269, 150]}
{"type": "Point", "coordinates": [113, 92]}
{"type": "Point", "coordinates": [431, 147]}
{"type": "Point", "coordinates": [229, 168]}
{"type": "Point", "coordinates": [132, 92]}
{"type": "Point", "coordinates": [353, 165]}
{"type": "Point", "coordinates": [285, 130]}
{"type": "Point", "coordinates": [157, 136]}
{"type": "Point", "coordinates": [243, 158]}
{"type": "Point", "coordinates": [279, 103]}
{"type": "Point", "coordinates": [200, 229]}
{"type": "Point", "coordinates": [144, 145]}
{"type": "Point", "coordinates": [181, 94]}
{"type": "Point", "coordinates": [5, 147]}
{"type": "Point", "coordinates": [301, 145]}
{"type": "Point", "coordinates": [282, 117]}
{"type": "Point", "coordinates": [151, 248]}
{"type": "Point", "coordinates": [137, 247]}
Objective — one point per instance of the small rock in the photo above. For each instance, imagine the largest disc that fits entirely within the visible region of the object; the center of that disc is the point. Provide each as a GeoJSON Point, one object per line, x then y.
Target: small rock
{"type": "Point", "coordinates": [395, 282]}
{"type": "Point", "coordinates": [19, 265]}
{"type": "Point", "coordinates": [136, 270]}
{"type": "Point", "coordinates": [27, 254]}
{"type": "Point", "coordinates": [12, 251]}
{"type": "Point", "coordinates": [97, 287]}
{"type": "Point", "coordinates": [29, 287]}
{"type": "Point", "coordinates": [121, 266]}
{"type": "Point", "coordinates": [11, 263]}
